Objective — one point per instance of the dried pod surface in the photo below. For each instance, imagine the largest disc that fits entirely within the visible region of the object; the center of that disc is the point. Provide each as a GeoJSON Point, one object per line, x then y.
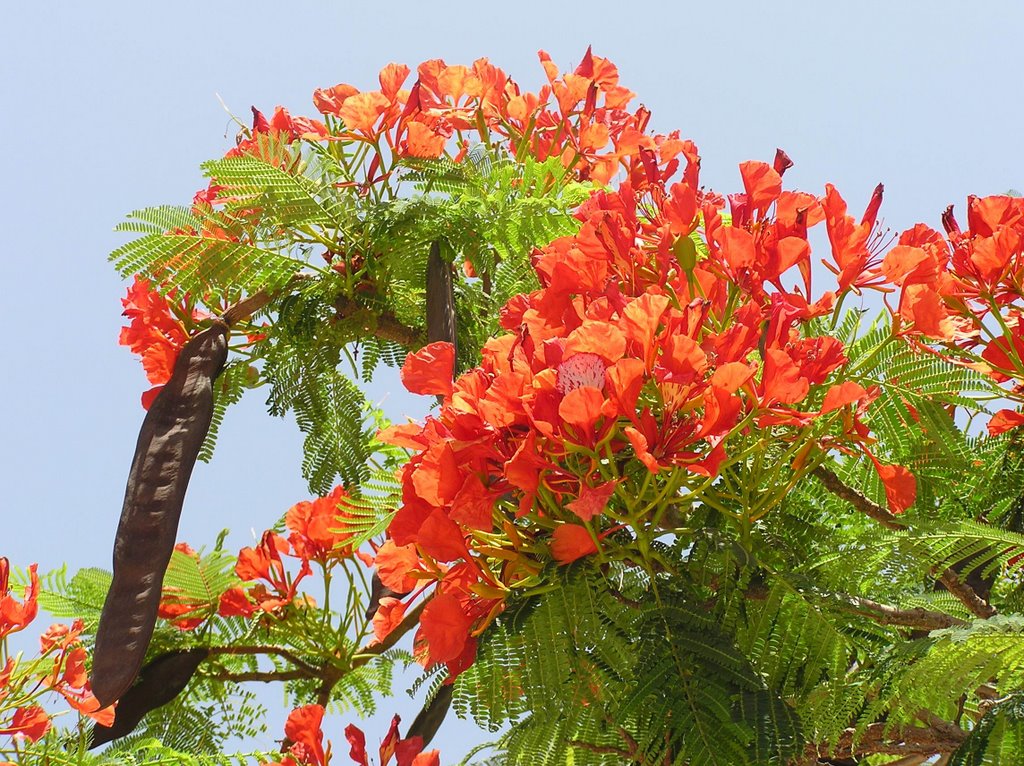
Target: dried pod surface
{"type": "Point", "coordinates": [430, 718]}
{"type": "Point", "coordinates": [169, 443]}
{"type": "Point", "coordinates": [160, 681]}
{"type": "Point", "coordinates": [440, 298]}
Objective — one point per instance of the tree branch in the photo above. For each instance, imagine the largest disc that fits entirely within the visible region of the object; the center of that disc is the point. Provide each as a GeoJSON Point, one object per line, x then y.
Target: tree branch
{"type": "Point", "coordinates": [268, 676]}
{"type": "Point", "coordinates": [272, 650]}
{"type": "Point", "coordinates": [384, 324]}
{"type": "Point", "coordinates": [912, 741]}
{"type": "Point", "coordinates": [917, 617]}
{"type": "Point", "coordinates": [246, 307]}
{"type": "Point", "coordinates": [974, 603]}
{"type": "Point", "coordinates": [602, 749]}
{"type": "Point", "coordinates": [865, 505]}
{"type": "Point", "coordinates": [377, 648]}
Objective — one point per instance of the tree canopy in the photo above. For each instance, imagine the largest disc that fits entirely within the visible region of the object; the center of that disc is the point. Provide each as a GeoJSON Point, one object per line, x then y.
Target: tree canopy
{"type": "Point", "coordinates": [678, 502]}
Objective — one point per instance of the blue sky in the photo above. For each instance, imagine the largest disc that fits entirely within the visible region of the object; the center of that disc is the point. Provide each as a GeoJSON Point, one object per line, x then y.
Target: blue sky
{"type": "Point", "coordinates": [111, 106]}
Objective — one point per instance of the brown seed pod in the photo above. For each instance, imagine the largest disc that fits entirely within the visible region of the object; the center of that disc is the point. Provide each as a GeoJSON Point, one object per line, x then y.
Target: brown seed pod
{"type": "Point", "coordinates": [440, 297]}
{"type": "Point", "coordinates": [379, 590]}
{"type": "Point", "coordinates": [440, 327]}
{"type": "Point", "coordinates": [430, 718]}
{"type": "Point", "coordinates": [160, 681]}
{"type": "Point", "coordinates": [169, 443]}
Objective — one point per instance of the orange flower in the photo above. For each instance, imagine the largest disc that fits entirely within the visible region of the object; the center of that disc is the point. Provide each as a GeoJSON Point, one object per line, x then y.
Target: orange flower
{"type": "Point", "coordinates": [430, 370]}
{"type": "Point", "coordinates": [303, 729]}
{"type": "Point", "coordinates": [394, 564]}
{"type": "Point", "coordinates": [444, 630]}
{"type": "Point", "coordinates": [570, 542]}
{"type": "Point", "coordinates": [313, 525]}
{"type": "Point", "coordinates": [31, 722]}
{"type": "Point", "coordinates": [387, 617]}
{"type": "Point", "coordinates": [592, 500]}
{"type": "Point", "coordinates": [15, 615]}
{"type": "Point", "coordinates": [361, 111]}
{"type": "Point", "coordinates": [264, 562]}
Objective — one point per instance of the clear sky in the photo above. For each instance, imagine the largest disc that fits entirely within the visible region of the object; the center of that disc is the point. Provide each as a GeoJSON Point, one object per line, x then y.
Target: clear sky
{"type": "Point", "coordinates": [110, 106]}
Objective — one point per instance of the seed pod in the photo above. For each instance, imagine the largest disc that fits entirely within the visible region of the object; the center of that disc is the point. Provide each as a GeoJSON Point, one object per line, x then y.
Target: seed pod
{"type": "Point", "coordinates": [430, 718]}
{"type": "Point", "coordinates": [379, 590]}
{"type": "Point", "coordinates": [169, 443]}
{"type": "Point", "coordinates": [440, 298]}
{"type": "Point", "coordinates": [160, 681]}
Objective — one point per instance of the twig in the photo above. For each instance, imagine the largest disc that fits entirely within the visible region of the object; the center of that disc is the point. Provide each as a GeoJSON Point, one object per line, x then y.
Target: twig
{"type": "Point", "coordinates": [975, 604]}
{"type": "Point", "coordinates": [268, 676]}
{"type": "Point", "coordinates": [865, 505]}
{"type": "Point", "coordinates": [378, 648]}
{"type": "Point", "coordinates": [602, 749]}
{"type": "Point", "coordinates": [383, 324]}
{"type": "Point", "coordinates": [911, 741]}
{"type": "Point", "coordinates": [961, 590]}
{"type": "Point", "coordinates": [917, 617]}
{"type": "Point", "coordinates": [246, 307]}
{"type": "Point", "coordinates": [272, 650]}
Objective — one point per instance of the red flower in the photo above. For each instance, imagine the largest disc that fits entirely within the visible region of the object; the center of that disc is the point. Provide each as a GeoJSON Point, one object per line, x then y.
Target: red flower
{"type": "Point", "coordinates": [407, 751]}
{"type": "Point", "coordinates": [15, 615]}
{"type": "Point", "coordinates": [30, 722]}
{"type": "Point", "coordinates": [838, 396]}
{"type": "Point", "coordinates": [855, 266]}
{"type": "Point", "coordinates": [303, 728]}
{"type": "Point", "coordinates": [357, 740]}
{"type": "Point", "coordinates": [395, 564]}
{"type": "Point", "coordinates": [444, 630]}
{"type": "Point", "coordinates": [173, 606]}
{"type": "Point", "coordinates": [153, 333]}
{"type": "Point", "coordinates": [264, 562]}
{"type": "Point", "coordinates": [387, 617]}
{"type": "Point", "coordinates": [592, 500]}
{"type": "Point", "coordinates": [762, 184]}
{"type": "Point", "coordinates": [313, 525]}
{"type": "Point", "coordinates": [570, 542]}
{"type": "Point", "coordinates": [900, 486]}
{"type": "Point", "coordinates": [429, 370]}
{"type": "Point", "coordinates": [1003, 421]}
{"type": "Point", "coordinates": [235, 603]}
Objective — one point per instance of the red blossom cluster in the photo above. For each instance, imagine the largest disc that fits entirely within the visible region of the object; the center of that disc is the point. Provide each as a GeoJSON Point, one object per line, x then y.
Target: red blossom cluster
{"type": "Point", "coordinates": [59, 668]}
{"type": "Point", "coordinates": [669, 331]}
{"type": "Point", "coordinates": [635, 348]}
{"type": "Point", "coordinates": [445, 102]}
{"type": "Point", "coordinates": [314, 538]}
{"type": "Point", "coordinates": [154, 333]}
{"type": "Point", "coordinates": [305, 743]}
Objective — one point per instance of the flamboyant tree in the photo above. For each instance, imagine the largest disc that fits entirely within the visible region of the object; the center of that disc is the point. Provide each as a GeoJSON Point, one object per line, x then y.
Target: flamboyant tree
{"type": "Point", "coordinates": [674, 505]}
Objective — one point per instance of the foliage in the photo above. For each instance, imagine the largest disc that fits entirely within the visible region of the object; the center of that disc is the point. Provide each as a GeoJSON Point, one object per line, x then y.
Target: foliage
{"type": "Point", "coordinates": [675, 505]}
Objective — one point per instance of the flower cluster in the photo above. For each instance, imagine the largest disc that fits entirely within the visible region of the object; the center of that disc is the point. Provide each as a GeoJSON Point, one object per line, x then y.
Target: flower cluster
{"type": "Point", "coordinates": [587, 125]}
{"type": "Point", "coordinates": [671, 346]}
{"type": "Point", "coordinates": [267, 586]}
{"type": "Point", "coordinates": [305, 743]}
{"type": "Point", "coordinates": [153, 332]}
{"type": "Point", "coordinates": [59, 668]}
{"type": "Point", "coordinates": [636, 356]}
{"type": "Point", "coordinates": [665, 331]}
